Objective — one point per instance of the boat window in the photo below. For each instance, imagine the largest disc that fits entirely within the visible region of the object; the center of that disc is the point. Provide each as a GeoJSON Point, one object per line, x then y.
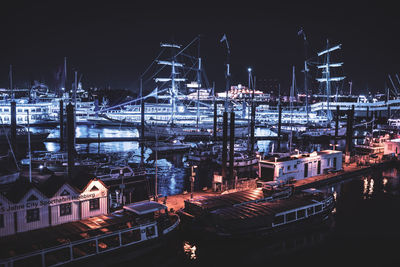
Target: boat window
{"type": "Point", "coordinates": [115, 171]}
{"type": "Point", "coordinates": [279, 219]}
{"type": "Point", "coordinates": [310, 211]}
{"type": "Point", "coordinates": [131, 236]}
{"type": "Point", "coordinates": [291, 216]}
{"type": "Point", "coordinates": [318, 208]}
{"type": "Point", "coordinates": [126, 170]}
{"type": "Point", "coordinates": [150, 231]}
{"type": "Point", "coordinates": [301, 214]}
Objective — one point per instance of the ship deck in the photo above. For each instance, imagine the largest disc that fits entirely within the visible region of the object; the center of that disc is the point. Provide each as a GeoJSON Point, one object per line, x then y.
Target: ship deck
{"type": "Point", "coordinates": [62, 234]}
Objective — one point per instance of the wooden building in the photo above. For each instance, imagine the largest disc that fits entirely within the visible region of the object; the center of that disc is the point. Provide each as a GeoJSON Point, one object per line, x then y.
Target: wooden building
{"type": "Point", "coordinates": [28, 206]}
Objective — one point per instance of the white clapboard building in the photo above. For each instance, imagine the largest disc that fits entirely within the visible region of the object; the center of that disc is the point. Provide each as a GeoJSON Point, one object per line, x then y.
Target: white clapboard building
{"type": "Point", "coordinates": [300, 166]}
{"type": "Point", "coordinates": [392, 147]}
{"type": "Point", "coordinates": [28, 206]}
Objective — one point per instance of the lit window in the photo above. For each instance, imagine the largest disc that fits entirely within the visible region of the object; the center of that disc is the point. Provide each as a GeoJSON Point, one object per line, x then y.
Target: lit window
{"type": "Point", "coordinates": [65, 209]}
{"type": "Point", "coordinates": [94, 204]}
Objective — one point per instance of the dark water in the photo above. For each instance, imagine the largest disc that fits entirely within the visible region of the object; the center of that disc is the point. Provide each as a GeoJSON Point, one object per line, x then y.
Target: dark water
{"type": "Point", "coordinates": [365, 230]}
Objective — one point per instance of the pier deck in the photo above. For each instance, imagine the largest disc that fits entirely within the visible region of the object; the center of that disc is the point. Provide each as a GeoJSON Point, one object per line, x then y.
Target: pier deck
{"type": "Point", "coordinates": [176, 202]}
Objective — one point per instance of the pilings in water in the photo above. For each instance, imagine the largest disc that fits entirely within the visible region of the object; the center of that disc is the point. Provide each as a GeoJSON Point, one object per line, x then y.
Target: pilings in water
{"type": "Point", "coordinates": [252, 126]}
{"type": "Point", "coordinates": [349, 134]}
{"type": "Point", "coordinates": [61, 121]}
{"type": "Point", "coordinates": [142, 136]}
{"type": "Point", "coordinates": [232, 146]}
{"type": "Point", "coordinates": [215, 121]}
{"type": "Point", "coordinates": [224, 144]}
{"type": "Point", "coordinates": [13, 128]}
{"type": "Point", "coordinates": [70, 139]}
{"type": "Point", "coordinates": [337, 125]}
{"type": "Point", "coordinates": [279, 127]}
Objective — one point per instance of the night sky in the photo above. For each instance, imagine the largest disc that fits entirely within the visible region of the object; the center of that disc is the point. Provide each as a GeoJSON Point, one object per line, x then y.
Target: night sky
{"type": "Point", "coordinates": [111, 44]}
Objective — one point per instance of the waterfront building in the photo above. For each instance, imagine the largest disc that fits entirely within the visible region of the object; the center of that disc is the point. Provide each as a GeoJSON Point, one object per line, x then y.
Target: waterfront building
{"type": "Point", "coordinates": [392, 146]}
{"type": "Point", "coordinates": [28, 206]}
{"type": "Point", "coordinates": [300, 166]}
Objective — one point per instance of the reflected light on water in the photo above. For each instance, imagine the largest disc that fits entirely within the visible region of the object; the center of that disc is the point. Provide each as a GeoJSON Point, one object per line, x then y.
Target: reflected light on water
{"type": "Point", "coordinates": [190, 250]}
{"type": "Point", "coordinates": [371, 187]}
{"type": "Point", "coordinates": [365, 189]}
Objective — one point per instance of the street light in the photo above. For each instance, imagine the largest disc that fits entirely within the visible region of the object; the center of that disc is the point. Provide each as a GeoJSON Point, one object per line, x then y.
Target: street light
{"type": "Point", "coordinates": [333, 146]}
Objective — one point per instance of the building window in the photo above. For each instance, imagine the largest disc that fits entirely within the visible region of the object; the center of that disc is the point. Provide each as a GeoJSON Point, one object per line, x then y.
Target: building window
{"type": "Point", "coordinates": [288, 167]}
{"type": "Point", "coordinates": [94, 204]}
{"type": "Point", "coordinates": [32, 215]}
{"type": "Point", "coordinates": [65, 209]}
{"type": "Point", "coordinates": [1, 220]}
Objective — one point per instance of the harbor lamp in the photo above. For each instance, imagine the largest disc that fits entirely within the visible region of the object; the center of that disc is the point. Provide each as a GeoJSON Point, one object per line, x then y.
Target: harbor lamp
{"type": "Point", "coordinates": [333, 146]}
{"type": "Point", "coordinates": [249, 71]}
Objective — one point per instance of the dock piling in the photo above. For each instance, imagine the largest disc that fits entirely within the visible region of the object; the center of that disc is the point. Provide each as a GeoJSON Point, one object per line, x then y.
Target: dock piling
{"type": "Point", "coordinates": [224, 144]}
{"type": "Point", "coordinates": [13, 127]}
{"type": "Point", "coordinates": [232, 146]}
{"type": "Point", "coordinates": [279, 128]}
{"type": "Point", "coordinates": [70, 139]}
{"type": "Point", "coordinates": [61, 121]}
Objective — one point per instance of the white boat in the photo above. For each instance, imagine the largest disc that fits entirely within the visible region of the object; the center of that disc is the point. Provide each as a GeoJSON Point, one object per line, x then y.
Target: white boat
{"type": "Point", "coordinates": [240, 160]}
{"type": "Point", "coordinates": [173, 145]}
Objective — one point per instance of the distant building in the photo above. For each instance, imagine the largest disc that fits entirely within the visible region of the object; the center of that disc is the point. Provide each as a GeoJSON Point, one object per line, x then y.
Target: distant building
{"type": "Point", "coordinates": [297, 167]}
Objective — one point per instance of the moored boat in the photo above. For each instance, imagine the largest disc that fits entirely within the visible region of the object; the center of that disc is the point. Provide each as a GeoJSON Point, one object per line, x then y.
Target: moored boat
{"type": "Point", "coordinates": [135, 228]}
{"type": "Point", "coordinates": [263, 219]}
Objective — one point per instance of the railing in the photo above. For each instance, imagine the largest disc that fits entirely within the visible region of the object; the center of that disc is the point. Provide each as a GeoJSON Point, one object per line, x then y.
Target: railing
{"type": "Point", "coordinates": [57, 255]}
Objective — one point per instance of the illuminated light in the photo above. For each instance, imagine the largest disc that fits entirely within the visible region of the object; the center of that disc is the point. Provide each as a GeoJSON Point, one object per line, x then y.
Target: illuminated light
{"type": "Point", "coordinates": [249, 69]}
{"type": "Point", "coordinates": [384, 181]}
{"type": "Point", "coordinates": [41, 167]}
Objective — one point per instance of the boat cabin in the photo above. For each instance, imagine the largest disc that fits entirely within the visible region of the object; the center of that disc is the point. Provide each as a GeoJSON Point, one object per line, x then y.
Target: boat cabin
{"type": "Point", "coordinates": [300, 166]}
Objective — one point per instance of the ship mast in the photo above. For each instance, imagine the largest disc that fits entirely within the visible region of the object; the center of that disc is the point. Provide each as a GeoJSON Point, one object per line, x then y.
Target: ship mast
{"type": "Point", "coordinates": [326, 74]}
{"type": "Point", "coordinates": [173, 78]}
{"type": "Point", "coordinates": [291, 110]}
{"type": "Point", "coordinates": [198, 85]}
{"type": "Point", "coordinates": [227, 74]}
